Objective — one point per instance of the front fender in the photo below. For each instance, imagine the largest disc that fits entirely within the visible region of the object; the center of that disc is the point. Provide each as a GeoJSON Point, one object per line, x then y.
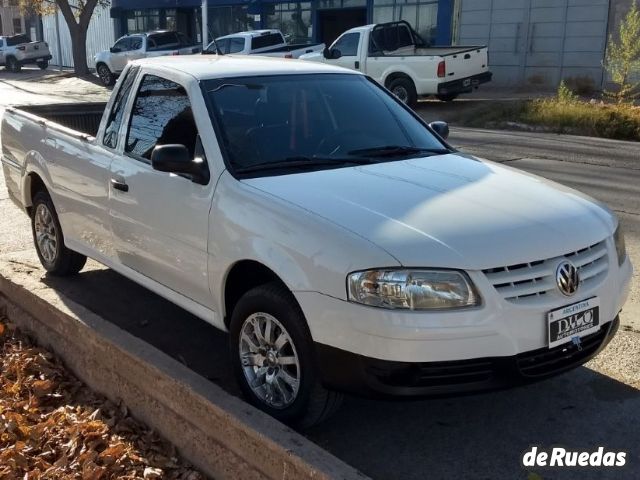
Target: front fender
{"type": "Point", "coordinates": [306, 251]}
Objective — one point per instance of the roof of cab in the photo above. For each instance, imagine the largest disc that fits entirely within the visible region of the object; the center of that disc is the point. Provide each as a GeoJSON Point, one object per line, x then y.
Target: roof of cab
{"type": "Point", "coordinates": [250, 33]}
{"type": "Point", "coordinates": [204, 67]}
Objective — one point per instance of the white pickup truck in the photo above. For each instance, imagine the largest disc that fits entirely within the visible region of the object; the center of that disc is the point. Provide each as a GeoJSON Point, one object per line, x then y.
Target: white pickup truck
{"type": "Point", "coordinates": [267, 43]}
{"type": "Point", "coordinates": [19, 50]}
{"type": "Point", "coordinates": [397, 57]}
{"type": "Point", "coordinates": [109, 63]}
{"type": "Point", "coordinates": [338, 238]}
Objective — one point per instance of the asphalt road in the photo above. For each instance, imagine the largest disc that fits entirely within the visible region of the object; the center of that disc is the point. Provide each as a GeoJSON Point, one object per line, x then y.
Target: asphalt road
{"type": "Point", "coordinates": [475, 437]}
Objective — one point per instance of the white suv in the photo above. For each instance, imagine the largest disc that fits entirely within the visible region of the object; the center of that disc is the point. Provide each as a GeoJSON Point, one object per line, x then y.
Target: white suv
{"type": "Point", "coordinates": [19, 50]}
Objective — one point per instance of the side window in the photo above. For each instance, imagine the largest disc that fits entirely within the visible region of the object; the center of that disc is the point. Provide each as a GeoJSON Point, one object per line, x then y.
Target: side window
{"type": "Point", "coordinates": [236, 45]}
{"type": "Point", "coordinates": [223, 45]}
{"type": "Point", "coordinates": [110, 137]}
{"type": "Point", "coordinates": [136, 43]}
{"type": "Point", "coordinates": [122, 44]}
{"type": "Point", "coordinates": [161, 115]}
{"type": "Point", "coordinates": [348, 44]}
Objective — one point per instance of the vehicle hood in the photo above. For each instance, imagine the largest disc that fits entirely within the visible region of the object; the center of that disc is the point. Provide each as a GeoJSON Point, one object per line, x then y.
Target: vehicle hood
{"type": "Point", "coordinates": [449, 210]}
{"type": "Point", "coordinates": [316, 56]}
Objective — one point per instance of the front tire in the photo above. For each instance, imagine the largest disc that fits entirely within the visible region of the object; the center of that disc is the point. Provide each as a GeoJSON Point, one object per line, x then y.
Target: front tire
{"type": "Point", "coordinates": [43, 65]}
{"type": "Point", "coordinates": [107, 77]}
{"type": "Point", "coordinates": [13, 65]}
{"type": "Point", "coordinates": [56, 259]}
{"type": "Point", "coordinates": [404, 89]}
{"type": "Point", "coordinates": [273, 358]}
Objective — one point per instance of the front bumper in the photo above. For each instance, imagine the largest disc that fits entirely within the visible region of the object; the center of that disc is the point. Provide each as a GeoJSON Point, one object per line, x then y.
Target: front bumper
{"type": "Point", "coordinates": [357, 374]}
{"type": "Point", "coordinates": [464, 85]}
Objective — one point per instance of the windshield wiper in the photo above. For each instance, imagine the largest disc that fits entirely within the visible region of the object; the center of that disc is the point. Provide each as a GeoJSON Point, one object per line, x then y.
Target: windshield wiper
{"type": "Point", "coordinates": [304, 162]}
{"type": "Point", "coordinates": [396, 151]}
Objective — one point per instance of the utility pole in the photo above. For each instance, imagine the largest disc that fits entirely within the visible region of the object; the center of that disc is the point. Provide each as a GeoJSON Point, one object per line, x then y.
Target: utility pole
{"type": "Point", "coordinates": [205, 23]}
{"type": "Point", "coordinates": [58, 42]}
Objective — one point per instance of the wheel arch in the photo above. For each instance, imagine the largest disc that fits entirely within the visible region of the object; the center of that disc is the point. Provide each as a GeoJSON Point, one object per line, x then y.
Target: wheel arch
{"type": "Point", "coordinates": [390, 77]}
{"type": "Point", "coordinates": [243, 276]}
{"type": "Point", "coordinates": [31, 184]}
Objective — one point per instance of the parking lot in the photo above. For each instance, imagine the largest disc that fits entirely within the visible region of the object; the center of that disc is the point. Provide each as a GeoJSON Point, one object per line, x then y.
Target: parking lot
{"type": "Point", "coordinates": [481, 436]}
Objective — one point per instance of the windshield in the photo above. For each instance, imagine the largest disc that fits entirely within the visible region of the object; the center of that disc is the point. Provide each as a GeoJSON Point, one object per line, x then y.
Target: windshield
{"type": "Point", "coordinates": [313, 122]}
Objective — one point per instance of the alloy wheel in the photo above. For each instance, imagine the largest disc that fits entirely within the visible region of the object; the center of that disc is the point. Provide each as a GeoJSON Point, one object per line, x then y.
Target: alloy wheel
{"type": "Point", "coordinates": [269, 360]}
{"type": "Point", "coordinates": [46, 234]}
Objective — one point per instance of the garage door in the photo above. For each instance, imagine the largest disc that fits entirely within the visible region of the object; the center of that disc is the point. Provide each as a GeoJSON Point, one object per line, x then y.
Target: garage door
{"type": "Point", "coordinates": [537, 42]}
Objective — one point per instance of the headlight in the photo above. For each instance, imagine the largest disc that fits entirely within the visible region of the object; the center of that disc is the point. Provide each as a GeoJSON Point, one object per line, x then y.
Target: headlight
{"type": "Point", "coordinates": [412, 289]}
{"type": "Point", "coordinates": [621, 249]}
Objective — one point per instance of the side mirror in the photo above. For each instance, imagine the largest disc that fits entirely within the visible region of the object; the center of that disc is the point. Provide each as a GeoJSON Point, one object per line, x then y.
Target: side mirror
{"type": "Point", "coordinates": [441, 128]}
{"type": "Point", "coordinates": [176, 159]}
{"type": "Point", "coordinates": [115, 50]}
{"type": "Point", "coordinates": [326, 53]}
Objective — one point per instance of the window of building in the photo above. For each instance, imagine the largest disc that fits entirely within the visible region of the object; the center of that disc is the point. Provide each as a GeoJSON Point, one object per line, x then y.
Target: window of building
{"type": "Point", "coordinates": [161, 115]}
{"type": "Point", "coordinates": [292, 19]}
{"type": "Point", "coordinates": [17, 26]}
{"type": "Point", "coordinates": [421, 14]}
{"type": "Point", "coordinates": [111, 129]}
{"type": "Point", "coordinates": [227, 20]}
{"type": "Point", "coordinates": [170, 19]}
{"type": "Point", "coordinates": [0, 24]}
{"type": "Point", "coordinates": [141, 21]}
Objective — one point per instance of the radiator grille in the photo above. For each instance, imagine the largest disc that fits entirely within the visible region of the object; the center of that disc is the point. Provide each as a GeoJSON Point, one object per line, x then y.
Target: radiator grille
{"type": "Point", "coordinates": [526, 283]}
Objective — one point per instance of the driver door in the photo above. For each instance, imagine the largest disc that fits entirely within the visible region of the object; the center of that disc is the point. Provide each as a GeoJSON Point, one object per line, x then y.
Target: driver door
{"type": "Point", "coordinates": [120, 57]}
{"type": "Point", "coordinates": [344, 51]}
{"type": "Point", "coordinates": [160, 220]}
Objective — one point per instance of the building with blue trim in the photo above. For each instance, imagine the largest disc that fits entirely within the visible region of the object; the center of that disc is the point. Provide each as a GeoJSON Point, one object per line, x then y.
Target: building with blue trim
{"type": "Point", "coordinates": [313, 20]}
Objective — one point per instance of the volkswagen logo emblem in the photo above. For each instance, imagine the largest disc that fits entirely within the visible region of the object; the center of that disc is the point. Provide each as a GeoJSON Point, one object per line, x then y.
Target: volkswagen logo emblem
{"type": "Point", "coordinates": [567, 278]}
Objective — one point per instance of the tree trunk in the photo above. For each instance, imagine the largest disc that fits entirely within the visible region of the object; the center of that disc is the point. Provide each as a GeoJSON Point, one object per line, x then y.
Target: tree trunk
{"type": "Point", "coordinates": [79, 50]}
{"type": "Point", "coordinates": [78, 30]}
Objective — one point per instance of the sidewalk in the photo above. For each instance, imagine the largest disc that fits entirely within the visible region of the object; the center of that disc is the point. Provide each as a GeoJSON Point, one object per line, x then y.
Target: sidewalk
{"type": "Point", "coordinates": [49, 86]}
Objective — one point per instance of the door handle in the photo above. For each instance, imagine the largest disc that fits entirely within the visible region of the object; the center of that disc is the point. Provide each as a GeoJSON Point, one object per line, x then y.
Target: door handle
{"type": "Point", "coordinates": [118, 185]}
{"type": "Point", "coordinates": [357, 65]}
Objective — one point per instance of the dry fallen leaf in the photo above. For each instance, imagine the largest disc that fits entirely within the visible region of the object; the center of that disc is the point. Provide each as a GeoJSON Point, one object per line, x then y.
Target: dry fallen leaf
{"type": "Point", "coordinates": [53, 427]}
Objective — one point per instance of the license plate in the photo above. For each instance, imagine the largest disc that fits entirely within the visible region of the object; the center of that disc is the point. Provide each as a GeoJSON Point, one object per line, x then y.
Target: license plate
{"type": "Point", "coordinates": [573, 321]}
{"type": "Point", "coordinates": [466, 83]}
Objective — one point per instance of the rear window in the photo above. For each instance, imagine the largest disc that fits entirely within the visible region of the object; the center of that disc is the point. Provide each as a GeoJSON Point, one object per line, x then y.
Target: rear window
{"type": "Point", "coordinates": [390, 38]}
{"type": "Point", "coordinates": [162, 41]}
{"type": "Point", "coordinates": [17, 40]}
{"type": "Point", "coordinates": [268, 40]}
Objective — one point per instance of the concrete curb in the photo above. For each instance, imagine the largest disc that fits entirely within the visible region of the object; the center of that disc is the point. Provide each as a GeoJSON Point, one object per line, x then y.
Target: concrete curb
{"type": "Point", "coordinates": [218, 433]}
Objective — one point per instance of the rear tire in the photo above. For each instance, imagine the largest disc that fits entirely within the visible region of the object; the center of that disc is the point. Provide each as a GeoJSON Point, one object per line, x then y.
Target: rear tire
{"type": "Point", "coordinates": [56, 259]}
{"type": "Point", "coordinates": [274, 360]}
{"type": "Point", "coordinates": [43, 65]}
{"type": "Point", "coordinates": [13, 65]}
{"type": "Point", "coordinates": [404, 89]}
{"type": "Point", "coordinates": [449, 97]}
{"type": "Point", "coordinates": [107, 77]}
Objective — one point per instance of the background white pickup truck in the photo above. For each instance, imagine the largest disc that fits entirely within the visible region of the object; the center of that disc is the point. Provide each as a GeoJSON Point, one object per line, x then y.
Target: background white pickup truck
{"type": "Point", "coordinates": [19, 50]}
{"type": "Point", "coordinates": [110, 63]}
{"type": "Point", "coordinates": [397, 57]}
{"type": "Point", "coordinates": [268, 43]}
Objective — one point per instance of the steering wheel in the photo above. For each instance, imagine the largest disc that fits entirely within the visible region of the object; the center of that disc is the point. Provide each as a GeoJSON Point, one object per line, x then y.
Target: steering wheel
{"type": "Point", "coordinates": [337, 142]}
